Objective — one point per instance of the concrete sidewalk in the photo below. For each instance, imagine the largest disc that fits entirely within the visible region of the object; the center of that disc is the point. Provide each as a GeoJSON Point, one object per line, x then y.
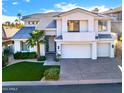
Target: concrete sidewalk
{"type": "Point", "coordinates": [61, 82]}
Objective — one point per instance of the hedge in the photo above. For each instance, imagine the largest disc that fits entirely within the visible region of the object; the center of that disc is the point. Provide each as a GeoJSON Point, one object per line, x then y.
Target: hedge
{"type": "Point", "coordinates": [42, 58]}
{"type": "Point", "coordinates": [25, 55]}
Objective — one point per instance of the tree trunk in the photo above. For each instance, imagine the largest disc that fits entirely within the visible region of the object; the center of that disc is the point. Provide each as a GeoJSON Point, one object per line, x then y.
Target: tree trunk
{"type": "Point", "coordinates": [38, 50]}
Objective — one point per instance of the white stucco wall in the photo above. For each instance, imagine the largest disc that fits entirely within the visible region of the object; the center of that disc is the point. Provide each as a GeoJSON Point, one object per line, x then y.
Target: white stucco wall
{"type": "Point", "coordinates": [17, 47]}
{"type": "Point", "coordinates": [78, 16]}
{"type": "Point", "coordinates": [59, 27]}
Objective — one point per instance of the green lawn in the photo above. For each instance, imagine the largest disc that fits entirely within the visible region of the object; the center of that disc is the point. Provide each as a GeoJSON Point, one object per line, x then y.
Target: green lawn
{"type": "Point", "coordinates": [24, 71]}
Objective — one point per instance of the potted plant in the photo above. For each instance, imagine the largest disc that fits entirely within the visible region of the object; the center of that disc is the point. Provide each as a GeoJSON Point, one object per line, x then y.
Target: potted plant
{"type": "Point", "coordinates": [58, 57]}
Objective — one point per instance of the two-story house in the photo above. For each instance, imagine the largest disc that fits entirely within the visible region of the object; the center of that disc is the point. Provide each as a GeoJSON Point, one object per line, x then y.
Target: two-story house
{"type": "Point", "coordinates": [77, 33]}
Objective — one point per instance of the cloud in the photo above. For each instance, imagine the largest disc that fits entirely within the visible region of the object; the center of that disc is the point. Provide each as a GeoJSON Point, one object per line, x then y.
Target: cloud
{"type": "Point", "coordinates": [63, 6]}
{"type": "Point", "coordinates": [48, 10]}
{"type": "Point", "coordinates": [8, 18]}
{"type": "Point", "coordinates": [27, 1]}
{"type": "Point", "coordinates": [15, 3]}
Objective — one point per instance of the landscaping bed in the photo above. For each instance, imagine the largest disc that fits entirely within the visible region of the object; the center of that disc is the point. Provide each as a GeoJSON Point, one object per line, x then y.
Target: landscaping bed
{"type": "Point", "coordinates": [25, 71]}
{"type": "Point", "coordinates": [118, 54]}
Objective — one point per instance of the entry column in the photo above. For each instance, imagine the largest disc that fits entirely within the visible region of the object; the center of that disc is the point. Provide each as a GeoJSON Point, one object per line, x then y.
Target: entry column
{"type": "Point", "coordinates": [94, 50]}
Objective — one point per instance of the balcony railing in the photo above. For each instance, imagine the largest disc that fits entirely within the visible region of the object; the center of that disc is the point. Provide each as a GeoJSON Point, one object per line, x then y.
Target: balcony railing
{"type": "Point", "coordinates": [79, 36]}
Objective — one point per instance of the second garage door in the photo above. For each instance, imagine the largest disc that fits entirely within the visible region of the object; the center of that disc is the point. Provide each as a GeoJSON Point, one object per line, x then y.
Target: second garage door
{"type": "Point", "coordinates": [103, 50]}
{"type": "Point", "coordinates": [76, 51]}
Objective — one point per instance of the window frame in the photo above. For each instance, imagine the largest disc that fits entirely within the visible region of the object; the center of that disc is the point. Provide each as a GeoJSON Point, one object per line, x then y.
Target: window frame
{"type": "Point", "coordinates": [73, 30]}
{"type": "Point", "coordinates": [103, 22]}
{"type": "Point", "coordinates": [22, 43]}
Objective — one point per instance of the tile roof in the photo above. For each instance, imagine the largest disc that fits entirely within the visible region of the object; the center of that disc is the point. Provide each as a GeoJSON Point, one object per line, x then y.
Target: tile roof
{"type": "Point", "coordinates": [38, 16]}
{"type": "Point", "coordinates": [117, 9]}
{"type": "Point", "coordinates": [46, 20]}
{"type": "Point", "coordinates": [23, 33]}
{"type": "Point", "coordinates": [9, 31]}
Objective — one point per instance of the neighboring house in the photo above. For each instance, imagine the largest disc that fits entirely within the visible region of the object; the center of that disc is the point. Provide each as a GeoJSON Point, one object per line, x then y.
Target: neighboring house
{"type": "Point", "coordinates": [77, 33]}
{"type": "Point", "coordinates": [10, 19]}
{"type": "Point", "coordinates": [116, 15]}
{"type": "Point", "coordinates": [7, 34]}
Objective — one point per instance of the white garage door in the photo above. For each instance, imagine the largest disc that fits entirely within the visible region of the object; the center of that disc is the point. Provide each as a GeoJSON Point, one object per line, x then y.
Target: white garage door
{"type": "Point", "coordinates": [76, 51]}
{"type": "Point", "coordinates": [103, 50]}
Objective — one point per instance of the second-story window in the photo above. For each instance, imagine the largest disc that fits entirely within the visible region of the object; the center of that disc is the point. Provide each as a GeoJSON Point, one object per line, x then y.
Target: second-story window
{"type": "Point", "coordinates": [37, 22]}
{"type": "Point", "coordinates": [73, 26]}
{"type": "Point", "coordinates": [33, 22]}
{"type": "Point", "coordinates": [102, 26]}
{"type": "Point", "coordinates": [28, 22]}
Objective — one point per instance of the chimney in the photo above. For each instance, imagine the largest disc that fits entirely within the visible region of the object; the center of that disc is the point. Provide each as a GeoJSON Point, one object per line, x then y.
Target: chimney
{"type": "Point", "coordinates": [96, 10]}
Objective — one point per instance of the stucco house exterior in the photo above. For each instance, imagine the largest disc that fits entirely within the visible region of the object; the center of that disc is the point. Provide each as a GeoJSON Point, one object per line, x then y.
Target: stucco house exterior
{"type": "Point", "coordinates": [77, 33]}
{"type": "Point", "coordinates": [116, 15]}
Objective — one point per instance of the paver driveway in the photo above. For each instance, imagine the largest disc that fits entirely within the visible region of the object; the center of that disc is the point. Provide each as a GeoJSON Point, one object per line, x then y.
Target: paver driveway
{"type": "Point", "coordinates": [88, 69]}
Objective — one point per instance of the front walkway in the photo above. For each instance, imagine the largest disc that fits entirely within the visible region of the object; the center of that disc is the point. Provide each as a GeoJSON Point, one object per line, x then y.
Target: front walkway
{"type": "Point", "coordinates": [50, 60]}
{"type": "Point", "coordinates": [88, 69]}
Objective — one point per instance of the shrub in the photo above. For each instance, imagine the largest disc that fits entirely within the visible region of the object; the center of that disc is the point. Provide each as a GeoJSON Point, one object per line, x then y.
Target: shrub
{"type": "Point", "coordinates": [42, 58]}
{"type": "Point", "coordinates": [4, 60]}
{"type": "Point", "coordinates": [25, 55]}
{"type": "Point", "coordinates": [52, 74]}
{"type": "Point", "coordinates": [6, 51]}
{"type": "Point", "coordinates": [56, 59]}
{"type": "Point", "coordinates": [120, 38]}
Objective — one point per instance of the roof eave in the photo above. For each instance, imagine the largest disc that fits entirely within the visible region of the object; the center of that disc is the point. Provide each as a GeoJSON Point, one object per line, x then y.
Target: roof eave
{"type": "Point", "coordinates": [76, 9]}
{"type": "Point", "coordinates": [103, 18]}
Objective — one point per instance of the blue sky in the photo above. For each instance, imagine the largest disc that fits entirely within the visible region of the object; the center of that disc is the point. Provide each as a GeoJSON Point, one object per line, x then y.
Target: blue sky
{"type": "Point", "coordinates": [12, 7]}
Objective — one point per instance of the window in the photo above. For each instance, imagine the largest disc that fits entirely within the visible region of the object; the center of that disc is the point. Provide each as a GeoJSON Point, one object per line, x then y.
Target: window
{"type": "Point", "coordinates": [102, 26]}
{"type": "Point", "coordinates": [73, 26]}
{"type": "Point", "coordinates": [33, 22]}
{"type": "Point", "coordinates": [37, 22]}
{"type": "Point", "coordinates": [24, 46]}
{"type": "Point", "coordinates": [30, 22]}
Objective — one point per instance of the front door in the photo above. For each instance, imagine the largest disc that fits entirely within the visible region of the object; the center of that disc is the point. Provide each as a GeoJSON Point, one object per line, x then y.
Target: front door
{"type": "Point", "coordinates": [51, 44]}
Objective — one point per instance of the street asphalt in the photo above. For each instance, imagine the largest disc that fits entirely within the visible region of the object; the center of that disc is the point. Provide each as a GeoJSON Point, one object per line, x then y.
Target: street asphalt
{"type": "Point", "coordinates": [82, 88]}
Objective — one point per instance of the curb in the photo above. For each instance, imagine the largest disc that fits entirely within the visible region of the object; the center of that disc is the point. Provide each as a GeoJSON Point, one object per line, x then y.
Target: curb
{"type": "Point", "coordinates": [61, 82]}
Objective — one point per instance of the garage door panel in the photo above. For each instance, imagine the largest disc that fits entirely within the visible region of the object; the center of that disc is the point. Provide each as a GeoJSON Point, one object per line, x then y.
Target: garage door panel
{"type": "Point", "coordinates": [103, 50]}
{"type": "Point", "coordinates": [76, 51]}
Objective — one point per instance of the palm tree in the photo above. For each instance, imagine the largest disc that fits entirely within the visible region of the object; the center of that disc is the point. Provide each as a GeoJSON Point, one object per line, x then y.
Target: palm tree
{"type": "Point", "coordinates": [19, 15]}
{"type": "Point", "coordinates": [36, 38]}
